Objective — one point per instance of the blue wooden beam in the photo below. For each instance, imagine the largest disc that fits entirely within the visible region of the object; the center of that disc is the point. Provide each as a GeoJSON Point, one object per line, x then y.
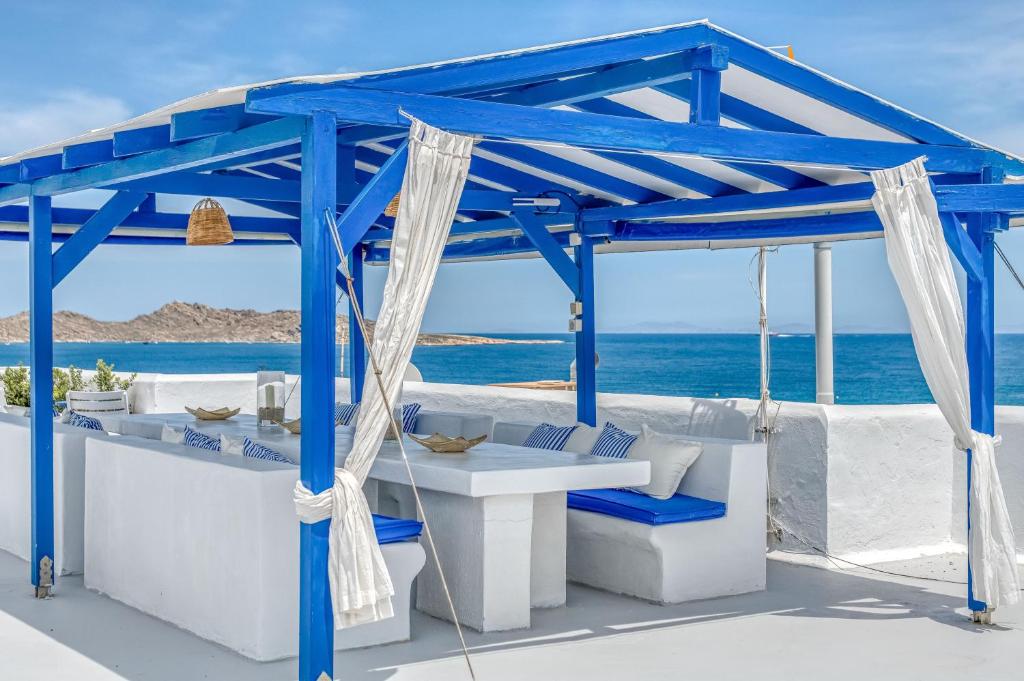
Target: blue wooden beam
{"type": "Point", "coordinates": [356, 341]}
{"type": "Point", "coordinates": [372, 199]}
{"type": "Point", "coordinates": [41, 390]}
{"type": "Point", "coordinates": [152, 220]}
{"type": "Point", "coordinates": [33, 168]}
{"type": "Point", "coordinates": [93, 232]}
{"type": "Point", "coordinates": [782, 228]}
{"type": "Point", "coordinates": [966, 253]}
{"type": "Point", "coordinates": [319, 265]}
{"type": "Point", "coordinates": [532, 65]}
{"type": "Point", "coordinates": [206, 184]}
{"type": "Point", "coordinates": [778, 68]}
{"type": "Point", "coordinates": [612, 132]}
{"type": "Point", "coordinates": [188, 155]}
{"type": "Point", "coordinates": [87, 154]}
{"type": "Point", "coordinates": [586, 336]}
{"type": "Point", "coordinates": [784, 177]}
{"type": "Point", "coordinates": [141, 140]}
{"type": "Point", "coordinates": [740, 111]}
{"type": "Point", "coordinates": [213, 121]}
{"type": "Point", "coordinates": [549, 248]}
{"type": "Point", "coordinates": [706, 89]}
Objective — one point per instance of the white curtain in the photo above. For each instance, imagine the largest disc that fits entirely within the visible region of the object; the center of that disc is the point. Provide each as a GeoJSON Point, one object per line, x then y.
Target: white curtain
{"type": "Point", "coordinates": [361, 588]}
{"type": "Point", "coordinates": [919, 260]}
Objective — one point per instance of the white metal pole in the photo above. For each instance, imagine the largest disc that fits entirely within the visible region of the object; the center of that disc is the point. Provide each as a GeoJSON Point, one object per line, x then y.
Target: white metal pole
{"type": "Point", "coordinates": [762, 294]}
{"type": "Point", "coordinates": [825, 388]}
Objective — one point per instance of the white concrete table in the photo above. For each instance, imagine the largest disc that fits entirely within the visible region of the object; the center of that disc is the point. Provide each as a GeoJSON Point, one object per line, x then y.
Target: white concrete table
{"type": "Point", "coordinates": [498, 513]}
{"type": "Point", "coordinates": [499, 518]}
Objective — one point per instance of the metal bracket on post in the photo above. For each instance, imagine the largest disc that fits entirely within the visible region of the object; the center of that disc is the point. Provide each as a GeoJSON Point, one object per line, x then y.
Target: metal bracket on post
{"type": "Point", "coordinates": [45, 577]}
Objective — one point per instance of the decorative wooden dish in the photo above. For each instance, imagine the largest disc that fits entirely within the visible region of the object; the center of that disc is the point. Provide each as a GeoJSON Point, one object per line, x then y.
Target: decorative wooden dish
{"type": "Point", "coordinates": [212, 414]}
{"type": "Point", "coordinates": [293, 427]}
{"type": "Point", "coordinates": [442, 444]}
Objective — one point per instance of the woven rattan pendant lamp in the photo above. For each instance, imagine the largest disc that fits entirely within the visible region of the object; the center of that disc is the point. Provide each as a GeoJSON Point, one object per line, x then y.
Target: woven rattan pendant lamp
{"type": "Point", "coordinates": [208, 225]}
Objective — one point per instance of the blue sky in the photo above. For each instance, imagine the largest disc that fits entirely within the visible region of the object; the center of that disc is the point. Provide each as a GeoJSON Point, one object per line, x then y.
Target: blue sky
{"type": "Point", "coordinates": [950, 61]}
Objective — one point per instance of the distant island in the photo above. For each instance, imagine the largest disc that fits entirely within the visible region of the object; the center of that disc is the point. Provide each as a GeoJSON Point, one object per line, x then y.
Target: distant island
{"type": "Point", "coordinates": [196, 323]}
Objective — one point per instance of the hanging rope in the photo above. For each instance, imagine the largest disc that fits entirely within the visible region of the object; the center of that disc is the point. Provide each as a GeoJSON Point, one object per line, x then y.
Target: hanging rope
{"type": "Point", "coordinates": [1009, 265]}
{"type": "Point", "coordinates": [396, 429]}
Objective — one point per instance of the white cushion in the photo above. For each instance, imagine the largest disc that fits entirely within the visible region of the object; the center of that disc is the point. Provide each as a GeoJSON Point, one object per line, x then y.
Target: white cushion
{"type": "Point", "coordinates": [670, 457]}
{"type": "Point", "coordinates": [582, 439]}
{"type": "Point", "coordinates": [168, 434]}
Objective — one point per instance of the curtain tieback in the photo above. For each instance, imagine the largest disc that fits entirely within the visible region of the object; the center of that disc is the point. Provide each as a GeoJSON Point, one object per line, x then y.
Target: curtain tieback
{"type": "Point", "coordinates": [361, 587]}
{"type": "Point", "coordinates": [997, 440]}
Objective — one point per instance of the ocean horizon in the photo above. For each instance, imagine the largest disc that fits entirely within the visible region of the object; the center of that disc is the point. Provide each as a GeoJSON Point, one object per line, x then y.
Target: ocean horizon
{"type": "Point", "coordinates": [870, 368]}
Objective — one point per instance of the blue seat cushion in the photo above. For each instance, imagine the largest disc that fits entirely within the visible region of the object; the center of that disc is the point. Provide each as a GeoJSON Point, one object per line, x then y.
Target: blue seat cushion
{"type": "Point", "coordinates": [390, 530]}
{"type": "Point", "coordinates": [641, 508]}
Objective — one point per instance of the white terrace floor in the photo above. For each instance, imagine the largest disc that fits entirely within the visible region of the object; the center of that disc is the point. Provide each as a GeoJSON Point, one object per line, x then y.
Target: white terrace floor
{"type": "Point", "coordinates": [810, 623]}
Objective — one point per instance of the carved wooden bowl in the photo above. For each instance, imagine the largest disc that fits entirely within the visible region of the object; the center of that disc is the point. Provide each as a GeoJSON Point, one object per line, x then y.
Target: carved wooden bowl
{"type": "Point", "coordinates": [442, 444]}
{"type": "Point", "coordinates": [212, 414]}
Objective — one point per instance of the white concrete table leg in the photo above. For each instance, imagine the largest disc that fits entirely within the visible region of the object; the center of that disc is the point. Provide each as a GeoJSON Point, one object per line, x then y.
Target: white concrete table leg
{"type": "Point", "coordinates": [484, 546]}
{"type": "Point", "coordinates": [547, 571]}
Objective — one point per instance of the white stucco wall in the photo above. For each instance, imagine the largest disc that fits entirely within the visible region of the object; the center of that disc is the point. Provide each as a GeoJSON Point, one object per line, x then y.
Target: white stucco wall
{"type": "Point", "coordinates": [869, 482]}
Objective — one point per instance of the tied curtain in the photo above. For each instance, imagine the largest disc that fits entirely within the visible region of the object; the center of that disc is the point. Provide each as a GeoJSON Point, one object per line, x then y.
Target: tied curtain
{"type": "Point", "coordinates": [435, 174]}
{"type": "Point", "coordinates": [919, 260]}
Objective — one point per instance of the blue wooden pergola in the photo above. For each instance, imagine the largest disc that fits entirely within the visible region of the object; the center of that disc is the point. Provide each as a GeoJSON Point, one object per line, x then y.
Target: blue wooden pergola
{"type": "Point", "coordinates": [665, 138]}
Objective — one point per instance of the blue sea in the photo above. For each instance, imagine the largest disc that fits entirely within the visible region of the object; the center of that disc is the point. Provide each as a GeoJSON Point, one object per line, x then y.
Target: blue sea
{"type": "Point", "coordinates": [869, 369]}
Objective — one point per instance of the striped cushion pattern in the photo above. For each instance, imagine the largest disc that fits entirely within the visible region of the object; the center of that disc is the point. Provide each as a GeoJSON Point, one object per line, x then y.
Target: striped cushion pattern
{"type": "Point", "coordinates": [613, 442]}
{"type": "Point", "coordinates": [343, 413]}
{"type": "Point", "coordinates": [547, 436]}
{"type": "Point", "coordinates": [193, 438]}
{"type": "Point", "coordinates": [83, 421]}
{"type": "Point", "coordinates": [409, 413]}
{"type": "Point", "coordinates": [255, 450]}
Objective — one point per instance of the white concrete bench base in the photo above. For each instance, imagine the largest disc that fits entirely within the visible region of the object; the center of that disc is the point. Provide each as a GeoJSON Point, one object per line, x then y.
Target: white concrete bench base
{"type": "Point", "coordinates": [211, 543]}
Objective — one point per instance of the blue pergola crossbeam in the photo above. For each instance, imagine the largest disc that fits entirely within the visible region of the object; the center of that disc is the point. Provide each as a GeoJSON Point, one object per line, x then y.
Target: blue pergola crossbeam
{"type": "Point", "coordinates": [782, 228]}
{"type": "Point", "coordinates": [819, 86]}
{"type": "Point", "coordinates": [224, 186]}
{"type": "Point", "coordinates": [93, 232]}
{"type": "Point", "coordinates": [213, 121]}
{"type": "Point", "coordinates": [141, 140]}
{"type": "Point", "coordinates": [541, 64]}
{"type": "Point", "coordinates": [372, 199]}
{"type": "Point", "coordinates": [276, 133]}
{"type": "Point", "coordinates": [537, 231]}
{"type": "Point", "coordinates": [612, 132]}
{"type": "Point", "coordinates": [87, 154]}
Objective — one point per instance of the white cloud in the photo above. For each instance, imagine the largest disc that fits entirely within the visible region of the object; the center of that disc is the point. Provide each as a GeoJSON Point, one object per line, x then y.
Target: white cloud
{"type": "Point", "coordinates": [64, 114]}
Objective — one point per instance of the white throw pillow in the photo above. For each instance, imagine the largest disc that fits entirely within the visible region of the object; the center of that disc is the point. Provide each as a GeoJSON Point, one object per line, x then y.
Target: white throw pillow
{"type": "Point", "coordinates": [231, 445]}
{"type": "Point", "coordinates": [582, 439]}
{"type": "Point", "coordinates": [168, 434]}
{"type": "Point", "coordinates": [670, 458]}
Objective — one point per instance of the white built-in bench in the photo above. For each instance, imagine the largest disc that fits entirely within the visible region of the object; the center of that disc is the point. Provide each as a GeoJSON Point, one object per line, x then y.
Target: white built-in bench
{"type": "Point", "coordinates": [210, 542]}
{"type": "Point", "coordinates": [68, 490]}
{"type": "Point", "coordinates": [713, 545]}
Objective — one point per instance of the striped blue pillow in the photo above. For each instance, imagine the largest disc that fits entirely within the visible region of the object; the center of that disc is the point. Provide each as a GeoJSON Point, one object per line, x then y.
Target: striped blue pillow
{"type": "Point", "coordinates": [255, 450]}
{"type": "Point", "coordinates": [83, 421]}
{"type": "Point", "coordinates": [613, 442]}
{"type": "Point", "coordinates": [193, 438]}
{"type": "Point", "coordinates": [409, 413]}
{"type": "Point", "coordinates": [344, 413]}
{"type": "Point", "coordinates": [547, 436]}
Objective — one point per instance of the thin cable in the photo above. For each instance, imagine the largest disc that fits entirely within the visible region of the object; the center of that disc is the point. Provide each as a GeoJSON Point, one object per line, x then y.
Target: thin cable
{"type": "Point", "coordinates": [397, 431]}
{"type": "Point", "coordinates": [1009, 266]}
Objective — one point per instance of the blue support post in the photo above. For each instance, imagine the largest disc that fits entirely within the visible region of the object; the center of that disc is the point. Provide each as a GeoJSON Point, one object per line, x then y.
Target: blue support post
{"type": "Point", "coordinates": [356, 342]}
{"type": "Point", "coordinates": [40, 244]}
{"type": "Point", "coordinates": [705, 96]}
{"type": "Point", "coordinates": [319, 264]}
{"type": "Point", "coordinates": [586, 340]}
{"type": "Point", "coordinates": [981, 228]}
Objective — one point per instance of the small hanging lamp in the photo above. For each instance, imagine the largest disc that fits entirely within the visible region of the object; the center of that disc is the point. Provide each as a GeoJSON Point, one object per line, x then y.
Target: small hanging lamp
{"type": "Point", "coordinates": [391, 210]}
{"type": "Point", "coordinates": [208, 225]}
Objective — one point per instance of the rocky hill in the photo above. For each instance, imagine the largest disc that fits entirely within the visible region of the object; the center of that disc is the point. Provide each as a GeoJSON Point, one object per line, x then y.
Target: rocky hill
{"type": "Point", "coordinates": [195, 323]}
